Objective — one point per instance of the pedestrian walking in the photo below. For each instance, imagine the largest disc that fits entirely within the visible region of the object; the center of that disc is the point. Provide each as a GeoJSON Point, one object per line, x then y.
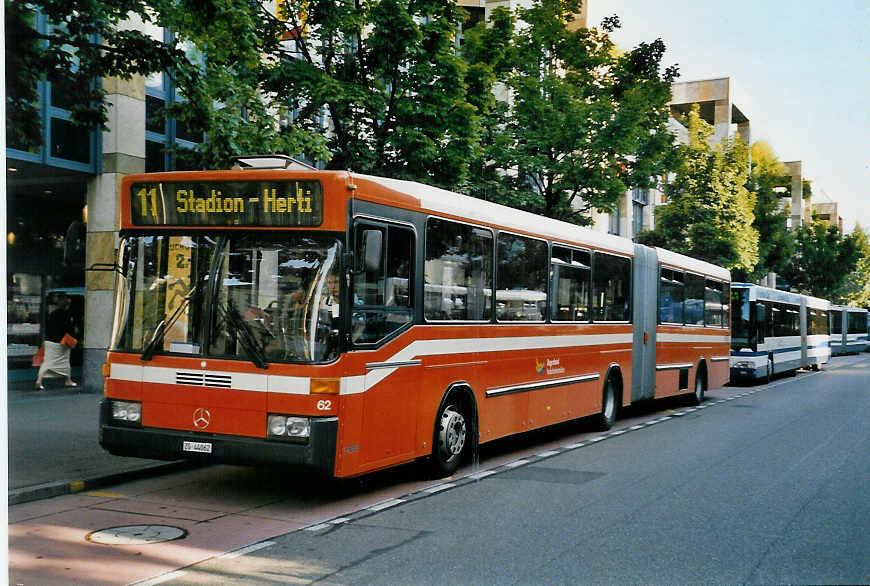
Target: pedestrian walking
{"type": "Point", "coordinates": [61, 336]}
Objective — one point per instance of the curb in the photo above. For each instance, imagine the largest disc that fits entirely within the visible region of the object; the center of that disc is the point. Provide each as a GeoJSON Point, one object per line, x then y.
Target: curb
{"type": "Point", "coordinates": [59, 488]}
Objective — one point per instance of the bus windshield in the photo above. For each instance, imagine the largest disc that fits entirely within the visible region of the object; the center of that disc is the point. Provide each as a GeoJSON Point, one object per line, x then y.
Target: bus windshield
{"type": "Point", "coordinates": [246, 296]}
{"type": "Point", "coordinates": [741, 321]}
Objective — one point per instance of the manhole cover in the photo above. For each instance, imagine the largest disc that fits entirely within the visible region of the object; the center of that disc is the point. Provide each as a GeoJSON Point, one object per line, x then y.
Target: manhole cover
{"type": "Point", "coordinates": [136, 534]}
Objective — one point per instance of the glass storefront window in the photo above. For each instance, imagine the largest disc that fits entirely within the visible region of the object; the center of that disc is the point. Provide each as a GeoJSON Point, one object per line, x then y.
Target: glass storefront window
{"type": "Point", "coordinates": [24, 299]}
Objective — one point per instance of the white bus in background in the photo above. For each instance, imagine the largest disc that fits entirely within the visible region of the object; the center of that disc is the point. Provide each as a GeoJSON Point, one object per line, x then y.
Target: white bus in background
{"type": "Point", "coordinates": [776, 331]}
{"type": "Point", "coordinates": [849, 333]}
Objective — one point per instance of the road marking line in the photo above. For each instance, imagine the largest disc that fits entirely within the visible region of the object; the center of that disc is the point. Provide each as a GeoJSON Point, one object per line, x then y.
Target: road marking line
{"type": "Point", "coordinates": [483, 474]}
{"type": "Point", "coordinates": [317, 527]}
{"type": "Point", "coordinates": [438, 488]}
{"type": "Point", "coordinates": [516, 463]}
{"type": "Point", "coordinates": [112, 495]}
{"type": "Point", "coordinates": [547, 454]}
{"type": "Point", "coordinates": [245, 550]}
{"type": "Point", "coordinates": [386, 505]}
{"type": "Point", "coordinates": [162, 579]}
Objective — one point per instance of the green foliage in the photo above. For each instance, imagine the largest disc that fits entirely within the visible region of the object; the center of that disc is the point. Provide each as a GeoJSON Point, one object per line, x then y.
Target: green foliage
{"type": "Point", "coordinates": [775, 241]}
{"type": "Point", "coordinates": [575, 123]}
{"type": "Point", "coordinates": [709, 210]}
{"type": "Point", "coordinates": [374, 86]}
{"type": "Point", "coordinates": [856, 287]}
{"type": "Point", "coordinates": [82, 45]}
{"type": "Point", "coordinates": [823, 260]}
{"type": "Point", "coordinates": [386, 76]}
{"type": "Point", "coordinates": [232, 47]}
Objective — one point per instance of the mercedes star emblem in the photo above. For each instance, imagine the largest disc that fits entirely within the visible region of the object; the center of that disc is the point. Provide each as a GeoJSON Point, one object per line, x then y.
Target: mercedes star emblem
{"type": "Point", "coordinates": [201, 418]}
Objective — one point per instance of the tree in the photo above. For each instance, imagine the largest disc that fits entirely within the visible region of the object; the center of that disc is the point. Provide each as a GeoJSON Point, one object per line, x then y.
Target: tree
{"type": "Point", "coordinates": [823, 260]}
{"type": "Point", "coordinates": [82, 44]}
{"type": "Point", "coordinates": [578, 123]}
{"type": "Point", "coordinates": [856, 288]}
{"type": "Point", "coordinates": [709, 210]}
{"type": "Point", "coordinates": [372, 86]}
{"type": "Point", "coordinates": [775, 240]}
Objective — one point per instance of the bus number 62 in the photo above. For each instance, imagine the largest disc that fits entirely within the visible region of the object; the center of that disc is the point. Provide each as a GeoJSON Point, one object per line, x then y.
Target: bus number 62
{"type": "Point", "coordinates": [324, 405]}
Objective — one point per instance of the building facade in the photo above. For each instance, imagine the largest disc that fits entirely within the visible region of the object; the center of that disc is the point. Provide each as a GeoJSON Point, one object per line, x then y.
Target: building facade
{"type": "Point", "coordinates": [62, 212]}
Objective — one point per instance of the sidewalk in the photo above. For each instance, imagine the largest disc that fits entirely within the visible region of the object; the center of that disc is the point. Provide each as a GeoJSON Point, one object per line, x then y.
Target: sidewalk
{"type": "Point", "coordinates": [54, 447]}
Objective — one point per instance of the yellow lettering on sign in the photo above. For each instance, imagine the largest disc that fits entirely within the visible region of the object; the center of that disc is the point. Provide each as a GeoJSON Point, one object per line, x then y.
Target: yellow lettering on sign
{"type": "Point", "coordinates": [186, 202]}
{"type": "Point", "coordinates": [273, 203]}
{"type": "Point", "coordinates": [304, 202]}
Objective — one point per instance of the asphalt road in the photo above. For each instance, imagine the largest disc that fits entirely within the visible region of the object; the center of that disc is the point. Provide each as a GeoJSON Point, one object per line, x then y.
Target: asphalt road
{"type": "Point", "coordinates": [768, 487]}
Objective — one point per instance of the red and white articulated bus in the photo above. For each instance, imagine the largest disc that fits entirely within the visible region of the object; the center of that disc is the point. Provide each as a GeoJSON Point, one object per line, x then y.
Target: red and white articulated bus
{"type": "Point", "coordinates": [348, 323]}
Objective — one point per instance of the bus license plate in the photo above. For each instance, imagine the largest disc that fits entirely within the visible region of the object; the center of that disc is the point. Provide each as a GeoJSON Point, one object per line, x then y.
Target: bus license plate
{"type": "Point", "coordinates": [201, 447]}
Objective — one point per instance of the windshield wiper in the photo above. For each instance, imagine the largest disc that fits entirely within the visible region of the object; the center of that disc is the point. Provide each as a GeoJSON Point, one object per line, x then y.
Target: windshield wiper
{"type": "Point", "coordinates": [246, 338]}
{"type": "Point", "coordinates": [165, 324]}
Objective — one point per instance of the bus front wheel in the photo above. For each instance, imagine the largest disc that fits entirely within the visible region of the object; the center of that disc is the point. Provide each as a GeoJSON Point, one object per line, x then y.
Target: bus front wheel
{"type": "Point", "coordinates": [452, 440]}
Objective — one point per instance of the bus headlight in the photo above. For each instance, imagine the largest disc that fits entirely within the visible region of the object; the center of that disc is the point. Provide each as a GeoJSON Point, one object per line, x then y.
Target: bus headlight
{"type": "Point", "coordinates": [288, 427]}
{"type": "Point", "coordinates": [744, 364]}
{"type": "Point", "coordinates": [129, 411]}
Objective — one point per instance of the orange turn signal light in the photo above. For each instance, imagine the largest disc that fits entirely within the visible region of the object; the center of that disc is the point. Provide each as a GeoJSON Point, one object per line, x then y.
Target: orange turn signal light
{"type": "Point", "coordinates": [325, 386]}
{"type": "Point", "coordinates": [107, 370]}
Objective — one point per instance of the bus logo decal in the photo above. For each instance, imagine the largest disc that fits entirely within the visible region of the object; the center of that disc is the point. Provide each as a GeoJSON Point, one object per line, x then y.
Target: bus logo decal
{"type": "Point", "coordinates": [549, 366]}
{"type": "Point", "coordinates": [201, 418]}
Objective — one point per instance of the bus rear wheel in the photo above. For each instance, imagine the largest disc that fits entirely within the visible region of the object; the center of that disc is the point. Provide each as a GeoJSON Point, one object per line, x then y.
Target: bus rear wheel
{"type": "Point", "coordinates": [451, 440]}
{"type": "Point", "coordinates": [700, 388]}
{"type": "Point", "coordinates": [607, 417]}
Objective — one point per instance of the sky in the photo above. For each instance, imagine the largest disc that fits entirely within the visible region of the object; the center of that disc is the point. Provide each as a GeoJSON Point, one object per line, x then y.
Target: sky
{"type": "Point", "coordinates": [799, 69]}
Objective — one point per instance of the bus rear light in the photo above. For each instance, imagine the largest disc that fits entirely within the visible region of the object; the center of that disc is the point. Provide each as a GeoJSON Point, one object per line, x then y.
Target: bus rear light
{"type": "Point", "coordinates": [127, 411]}
{"type": "Point", "coordinates": [288, 427]}
{"type": "Point", "coordinates": [325, 386]}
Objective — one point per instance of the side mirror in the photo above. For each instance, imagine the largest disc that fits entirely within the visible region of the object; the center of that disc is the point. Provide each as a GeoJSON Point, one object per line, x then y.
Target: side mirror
{"type": "Point", "coordinates": [372, 246]}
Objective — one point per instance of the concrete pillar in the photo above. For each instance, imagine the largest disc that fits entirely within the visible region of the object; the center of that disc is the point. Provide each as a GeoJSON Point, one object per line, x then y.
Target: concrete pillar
{"type": "Point", "coordinates": [721, 119]}
{"type": "Point", "coordinates": [123, 153]}
{"type": "Point", "coordinates": [745, 133]}
{"type": "Point", "coordinates": [746, 136]}
{"type": "Point", "coordinates": [626, 216]}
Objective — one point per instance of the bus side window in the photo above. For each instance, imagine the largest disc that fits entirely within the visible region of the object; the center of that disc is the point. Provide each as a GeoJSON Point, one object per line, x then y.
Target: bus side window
{"type": "Point", "coordinates": [571, 275]}
{"type": "Point", "coordinates": [382, 292]}
{"type": "Point", "coordinates": [761, 321]}
{"type": "Point", "coordinates": [671, 292]}
{"type": "Point", "coordinates": [611, 288]}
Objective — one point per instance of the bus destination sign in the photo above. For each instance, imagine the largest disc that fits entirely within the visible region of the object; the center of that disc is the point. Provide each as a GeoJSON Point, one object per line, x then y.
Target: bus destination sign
{"type": "Point", "coordinates": [227, 203]}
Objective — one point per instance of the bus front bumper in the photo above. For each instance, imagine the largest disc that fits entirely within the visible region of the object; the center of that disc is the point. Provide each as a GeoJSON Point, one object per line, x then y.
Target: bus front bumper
{"type": "Point", "coordinates": [318, 453]}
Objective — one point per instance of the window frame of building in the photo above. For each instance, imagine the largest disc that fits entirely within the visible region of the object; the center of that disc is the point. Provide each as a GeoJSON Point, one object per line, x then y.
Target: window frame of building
{"type": "Point", "coordinates": [639, 201]}
{"type": "Point", "coordinates": [168, 94]}
{"type": "Point", "coordinates": [615, 218]}
{"type": "Point", "coordinates": [48, 114]}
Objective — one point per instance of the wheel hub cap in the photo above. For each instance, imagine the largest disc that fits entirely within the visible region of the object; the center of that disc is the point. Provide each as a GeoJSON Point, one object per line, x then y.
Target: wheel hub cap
{"type": "Point", "coordinates": [452, 435]}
